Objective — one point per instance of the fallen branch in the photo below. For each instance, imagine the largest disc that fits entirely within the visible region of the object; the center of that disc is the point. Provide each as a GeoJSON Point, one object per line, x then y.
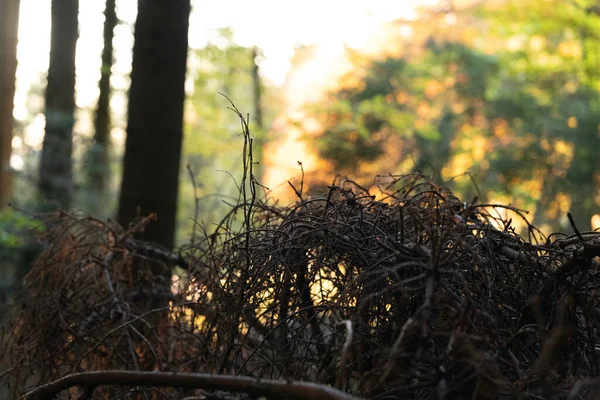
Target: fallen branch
{"type": "Point", "coordinates": [258, 387]}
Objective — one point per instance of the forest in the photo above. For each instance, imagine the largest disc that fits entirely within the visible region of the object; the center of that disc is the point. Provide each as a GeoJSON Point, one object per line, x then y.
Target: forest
{"type": "Point", "coordinates": [300, 200]}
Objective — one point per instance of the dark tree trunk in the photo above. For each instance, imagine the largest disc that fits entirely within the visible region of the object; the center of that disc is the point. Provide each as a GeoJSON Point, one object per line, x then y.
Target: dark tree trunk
{"type": "Point", "coordinates": [155, 124]}
{"type": "Point", "coordinates": [98, 157]}
{"type": "Point", "coordinates": [9, 27]}
{"type": "Point", "coordinates": [257, 91]}
{"type": "Point", "coordinates": [56, 176]}
{"type": "Point", "coordinates": [258, 141]}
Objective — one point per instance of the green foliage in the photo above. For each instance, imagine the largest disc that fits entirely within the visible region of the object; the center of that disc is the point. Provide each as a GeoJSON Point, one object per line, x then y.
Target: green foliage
{"type": "Point", "coordinates": [393, 98]}
{"type": "Point", "coordinates": [18, 251]}
{"type": "Point", "coordinates": [524, 122]}
{"type": "Point", "coordinates": [14, 227]}
{"type": "Point", "coordinates": [350, 136]}
{"type": "Point", "coordinates": [213, 137]}
{"type": "Point", "coordinates": [549, 88]}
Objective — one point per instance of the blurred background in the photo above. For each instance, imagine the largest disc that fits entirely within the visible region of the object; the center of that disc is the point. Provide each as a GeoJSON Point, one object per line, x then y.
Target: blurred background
{"type": "Point", "coordinates": [497, 99]}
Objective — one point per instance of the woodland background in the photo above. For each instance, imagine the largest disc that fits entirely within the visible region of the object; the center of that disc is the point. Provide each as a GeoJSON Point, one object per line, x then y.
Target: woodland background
{"type": "Point", "coordinates": [498, 99]}
{"type": "Point", "coordinates": [504, 91]}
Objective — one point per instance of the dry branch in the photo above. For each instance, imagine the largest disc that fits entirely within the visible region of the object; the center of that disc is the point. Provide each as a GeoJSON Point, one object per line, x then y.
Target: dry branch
{"type": "Point", "coordinates": [258, 387]}
{"type": "Point", "coordinates": [407, 293]}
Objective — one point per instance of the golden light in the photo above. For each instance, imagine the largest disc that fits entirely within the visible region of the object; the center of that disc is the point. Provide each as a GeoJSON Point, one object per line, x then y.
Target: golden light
{"type": "Point", "coordinates": [595, 221]}
{"type": "Point", "coordinates": [515, 43]}
{"type": "Point", "coordinates": [537, 43]}
{"type": "Point", "coordinates": [308, 82]}
{"type": "Point", "coordinates": [570, 49]}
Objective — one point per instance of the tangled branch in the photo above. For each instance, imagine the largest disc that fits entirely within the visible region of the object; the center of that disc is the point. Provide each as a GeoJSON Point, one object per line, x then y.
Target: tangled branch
{"type": "Point", "coordinates": [406, 292]}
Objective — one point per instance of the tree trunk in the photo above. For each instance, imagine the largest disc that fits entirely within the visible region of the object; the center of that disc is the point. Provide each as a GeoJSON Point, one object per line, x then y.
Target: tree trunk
{"type": "Point", "coordinates": [56, 176]}
{"type": "Point", "coordinates": [98, 157]}
{"type": "Point", "coordinates": [9, 28]}
{"type": "Point", "coordinates": [257, 91]}
{"type": "Point", "coordinates": [259, 135]}
{"type": "Point", "coordinates": [155, 122]}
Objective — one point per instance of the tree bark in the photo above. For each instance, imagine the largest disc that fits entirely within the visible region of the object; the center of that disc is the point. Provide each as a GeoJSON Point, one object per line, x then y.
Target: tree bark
{"type": "Point", "coordinates": [98, 157]}
{"type": "Point", "coordinates": [9, 29]}
{"type": "Point", "coordinates": [155, 121]}
{"type": "Point", "coordinates": [56, 176]}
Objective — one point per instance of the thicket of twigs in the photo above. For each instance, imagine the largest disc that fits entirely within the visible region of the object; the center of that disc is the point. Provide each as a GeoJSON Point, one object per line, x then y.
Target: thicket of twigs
{"type": "Point", "coordinates": [415, 294]}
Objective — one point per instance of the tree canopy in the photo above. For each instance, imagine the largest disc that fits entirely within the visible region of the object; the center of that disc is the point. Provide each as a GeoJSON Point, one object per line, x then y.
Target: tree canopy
{"type": "Point", "coordinates": [514, 103]}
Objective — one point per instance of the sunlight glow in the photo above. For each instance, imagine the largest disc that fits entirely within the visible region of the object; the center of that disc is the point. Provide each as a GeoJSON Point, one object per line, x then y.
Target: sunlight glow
{"type": "Point", "coordinates": [16, 162]}
{"type": "Point", "coordinates": [34, 133]}
{"type": "Point", "coordinates": [595, 221]}
{"type": "Point", "coordinates": [17, 142]}
{"type": "Point", "coordinates": [277, 28]}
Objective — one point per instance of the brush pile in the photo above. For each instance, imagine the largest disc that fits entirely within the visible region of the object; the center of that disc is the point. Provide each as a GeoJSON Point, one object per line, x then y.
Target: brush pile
{"type": "Point", "coordinates": [413, 295]}
{"type": "Point", "coordinates": [407, 293]}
